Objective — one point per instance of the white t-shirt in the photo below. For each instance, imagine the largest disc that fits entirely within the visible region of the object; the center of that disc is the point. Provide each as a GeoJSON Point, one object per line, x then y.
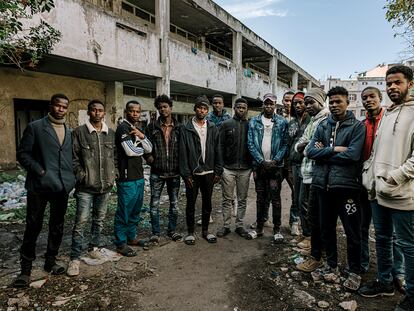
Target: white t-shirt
{"type": "Point", "coordinates": [267, 138]}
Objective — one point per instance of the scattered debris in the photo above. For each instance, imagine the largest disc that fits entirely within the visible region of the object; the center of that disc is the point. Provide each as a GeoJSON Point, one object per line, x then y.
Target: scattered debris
{"type": "Point", "coordinates": [349, 305]}
{"type": "Point", "coordinates": [323, 304]}
{"type": "Point", "coordinates": [38, 283]}
{"type": "Point", "coordinates": [304, 297]}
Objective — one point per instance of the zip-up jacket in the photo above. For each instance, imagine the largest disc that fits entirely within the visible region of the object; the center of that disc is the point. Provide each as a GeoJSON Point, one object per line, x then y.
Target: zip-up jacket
{"type": "Point", "coordinates": [94, 159]}
{"type": "Point", "coordinates": [371, 125]}
{"type": "Point", "coordinates": [233, 142]}
{"type": "Point", "coordinates": [166, 163]}
{"type": "Point", "coordinates": [191, 161]}
{"type": "Point", "coordinates": [295, 130]}
{"type": "Point", "coordinates": [337, 169]}
{"type": "Point", "coordinates": [218, 120]}
{"type": "Point", "coordinates": [279, 146]}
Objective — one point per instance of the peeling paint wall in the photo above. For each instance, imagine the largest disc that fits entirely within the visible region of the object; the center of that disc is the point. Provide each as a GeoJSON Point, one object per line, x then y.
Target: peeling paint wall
{"type": "Point", "coordinates": [254, 86]}
{"type": "Point", "coordinates": [90, 34]}
{"type": "Point", "coordinates": [38, 86]}
{"type": "Point", "coordinates": [199, 68]}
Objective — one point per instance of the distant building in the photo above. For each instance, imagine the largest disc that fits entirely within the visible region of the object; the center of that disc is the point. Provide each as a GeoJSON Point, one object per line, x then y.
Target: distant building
{"type": "Point", "coordinates": [118, 50]}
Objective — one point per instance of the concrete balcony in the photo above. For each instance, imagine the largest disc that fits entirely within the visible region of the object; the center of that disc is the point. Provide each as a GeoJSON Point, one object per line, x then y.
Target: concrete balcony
{"type": "Point", "coordinates": [196, 67]}
{"type": "Point", "coordinates": [255, 84]}
{"type": "Point", "coordinates": [105, 39]}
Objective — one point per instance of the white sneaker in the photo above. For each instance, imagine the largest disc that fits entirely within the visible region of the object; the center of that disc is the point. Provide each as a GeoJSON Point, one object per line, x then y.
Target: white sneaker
{"type": "Point", "coordinates": [278, 237]}
{"type": "Point", "coordinates": [95, 253]}
{"type": "Point", "coordinates": [73, 268]}
{"type": "Point", "coordinates": [294, 229]}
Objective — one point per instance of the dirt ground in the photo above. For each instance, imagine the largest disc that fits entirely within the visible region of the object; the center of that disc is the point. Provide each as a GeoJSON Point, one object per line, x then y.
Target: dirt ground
{"type": "Point", "coordinates": [234, 274]}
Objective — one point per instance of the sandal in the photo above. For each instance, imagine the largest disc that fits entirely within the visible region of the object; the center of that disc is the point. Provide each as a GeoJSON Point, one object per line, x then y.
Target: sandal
{"type": "Point", "coordinates": [189, 239]}
{"type": "Point", "coordinates": [175, 236]}
{"type": "Point", "coordinates": [55, 269]}
{"type": "Point", "coordinates": [126, 251]}
{"type": "Point", "coordinates": [21, 281]}
{"type": "Point", "coordinates": [210, 238]}
{"type": "Point", "coordinates": [353, 282]}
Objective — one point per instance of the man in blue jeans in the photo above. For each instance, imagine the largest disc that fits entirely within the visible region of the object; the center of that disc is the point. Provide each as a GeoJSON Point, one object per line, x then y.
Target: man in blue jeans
{"type": "Point", "coordinates": [131, 144]}
{"type": "Point", "coordinates": [389, 179]}
{"type": "Point", "coordinates": [94, 157]}
{"type": "Point", "coordinates": [164, 135]}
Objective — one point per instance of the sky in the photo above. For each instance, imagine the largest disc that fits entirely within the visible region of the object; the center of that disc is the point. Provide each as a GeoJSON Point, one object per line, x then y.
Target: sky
{"type": "Point", "coordinates": [335, 38]}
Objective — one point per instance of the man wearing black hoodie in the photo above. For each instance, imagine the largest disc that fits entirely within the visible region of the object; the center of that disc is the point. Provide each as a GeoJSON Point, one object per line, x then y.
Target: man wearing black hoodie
{"type": "Point", "coordinates": [337, 149]}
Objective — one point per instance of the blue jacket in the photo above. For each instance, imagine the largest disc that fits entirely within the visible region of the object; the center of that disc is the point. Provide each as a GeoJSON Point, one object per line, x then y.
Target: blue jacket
{"type": "Point", "coordinates": [343, 169]}
{"type": "Point", "coordinates": [279, 139]}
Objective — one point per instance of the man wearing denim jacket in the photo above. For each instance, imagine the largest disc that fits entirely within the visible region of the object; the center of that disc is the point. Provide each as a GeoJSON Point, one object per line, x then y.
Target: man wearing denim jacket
{"type": "Point", "coordinates": [267, 143]}
{"type": "Point", "coordinates": [94, 158]}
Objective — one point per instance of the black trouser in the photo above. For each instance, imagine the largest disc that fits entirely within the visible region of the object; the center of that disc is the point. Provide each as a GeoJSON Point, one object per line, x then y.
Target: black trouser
{"type": "Point", "coordinates": [36, 205]}
{"type": "Point", "coordinates": [286, 173]}
{"type": "Point", "coordinates": [344, 203]}
{"type": "Point", "coordinates": [205, 183]}
{"type": "Point", "coordinates": [307, 203]}
{"type": "Point", "coordinates": [366, 216]}
{"type": "Point", "coordinates": [267, 184]}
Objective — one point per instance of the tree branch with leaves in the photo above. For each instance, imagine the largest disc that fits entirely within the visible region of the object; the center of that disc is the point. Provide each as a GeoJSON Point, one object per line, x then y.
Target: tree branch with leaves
{"type": "Point", "coordinates": [24, 47]}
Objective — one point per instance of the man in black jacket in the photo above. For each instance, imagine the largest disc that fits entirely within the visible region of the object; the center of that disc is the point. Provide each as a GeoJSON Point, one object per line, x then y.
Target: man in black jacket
{"type": "Point", "coordinates": [164, 136]}
{"type": "Point", "coordinates": [45, 151]}
{"type": "Point", "coordinates": [200, 166]}
{"type": "Point", "coordinates": [237, 166]}
{"type": "Point", "coordinates": [94, 157]}
{"type": "Point", "coordinates": [337, 147]}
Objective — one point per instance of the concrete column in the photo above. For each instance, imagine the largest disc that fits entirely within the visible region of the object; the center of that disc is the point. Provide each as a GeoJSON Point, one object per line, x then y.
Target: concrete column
{"type": "Point", "coordinates": [273, 74]}
{"type": "Point", "coordinates": [295, 81]}
{"type": "Point", "coordinates": [114, 94]}
{"type": "Point", "coordinates": [162, 24]}
{"type": "Point", "coordinates": [238, 61]}
{"type": "Point", "coordinates": [309, 86]}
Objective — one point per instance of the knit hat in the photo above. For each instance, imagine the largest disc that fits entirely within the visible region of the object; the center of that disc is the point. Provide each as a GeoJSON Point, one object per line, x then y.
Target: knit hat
{"type": "Point", "coordinates": [298, 94]}
{"type": "Point", "coordinates": [317, 94]}
{"type": "Point", "coordinates": [201, 100]}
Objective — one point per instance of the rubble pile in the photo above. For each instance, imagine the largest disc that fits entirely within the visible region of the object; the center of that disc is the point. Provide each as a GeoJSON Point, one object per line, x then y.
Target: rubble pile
{"type": "Point", "coordinates": [13, 194]}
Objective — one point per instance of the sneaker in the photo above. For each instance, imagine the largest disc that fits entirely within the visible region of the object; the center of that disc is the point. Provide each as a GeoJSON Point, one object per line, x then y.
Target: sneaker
{"type": "Point", "coordinates": [399, 284]}
{"type": "Point", "coordinates": [73, 268]}
{"type": "Point", "coordinates": [305, 243]}
{"type": "Point", "coordinates": [199, 222]}
{"type": "Point", "coordinates": [326, 273]}
{"type": "Point", "coordinates": [294, 229]}
{"type": "Point", "coordinates": [375, 289]}
{"type": "Point", "coordinates": [309, 265]}
{"type": "Point", "coordinates": [223, 232]}
{"type": "Point", "coordinates": [95, 253]}
{"type": "Point", "coordinates": [405, 305]}
{"type": "Point", "coordinates": [278, 237]}
{"type": "Point", "coordinates": [155, 239]}
{"type": "Point", "coordinates": [241, 231]}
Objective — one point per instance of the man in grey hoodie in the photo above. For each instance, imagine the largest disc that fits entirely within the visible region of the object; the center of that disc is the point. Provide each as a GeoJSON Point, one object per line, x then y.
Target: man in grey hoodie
{"type": "Point", "coordinates": [389, 179]}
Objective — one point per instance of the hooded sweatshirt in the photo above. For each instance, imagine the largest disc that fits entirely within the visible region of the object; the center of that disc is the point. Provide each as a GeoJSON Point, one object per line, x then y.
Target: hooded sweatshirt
{"type": "Point", "coordinates": [393, 156]}
{"type": "Point", "coordinates": [307, 164]}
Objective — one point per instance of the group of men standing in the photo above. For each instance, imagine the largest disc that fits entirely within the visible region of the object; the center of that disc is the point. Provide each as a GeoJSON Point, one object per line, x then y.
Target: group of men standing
{"type": "Point", "coordinates": [320, 153]}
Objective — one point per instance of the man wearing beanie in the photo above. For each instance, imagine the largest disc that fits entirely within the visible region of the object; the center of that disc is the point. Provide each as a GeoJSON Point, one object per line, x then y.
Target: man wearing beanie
{"type": "Point", "coordinates": [45, 151]}
{"type": "Point", "coordinates": [267, 143]}
{"type": "Point", "coordinates": [200, 166]}
{"type": "Point", "coordinates": [309, 211]}
{"type": "Point", "coordinates": [297, 125]}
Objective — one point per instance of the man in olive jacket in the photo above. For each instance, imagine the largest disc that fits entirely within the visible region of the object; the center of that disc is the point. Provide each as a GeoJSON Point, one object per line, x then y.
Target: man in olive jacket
{"type": "Point", "coordinates": [94, 158]}
{"type": "Point", "coordinates": [45, 151]}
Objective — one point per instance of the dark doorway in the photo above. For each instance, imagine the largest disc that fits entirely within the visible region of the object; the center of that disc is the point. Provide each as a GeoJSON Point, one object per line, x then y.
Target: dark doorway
{"type": "Point", "coordinates": [26, 111]}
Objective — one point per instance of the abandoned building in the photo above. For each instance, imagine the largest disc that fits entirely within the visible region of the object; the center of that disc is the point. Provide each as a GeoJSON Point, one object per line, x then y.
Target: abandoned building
{"type": "Point", "coordinates": [118, 50]}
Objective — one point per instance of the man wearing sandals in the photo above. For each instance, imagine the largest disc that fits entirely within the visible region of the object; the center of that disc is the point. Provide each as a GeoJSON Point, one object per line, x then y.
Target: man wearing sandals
{"type": "Point", "coordinates": [131, 144]}
{"type": "Point", "coordinates": [237, 167]}
{"type": "Point", "coordinates": [164, 135]}
{"type": "Point", "coordinates": [337, 147]}
{"type": "Point", "coordinates": [389, 179]}
{"type": "Point", "coordinates": [200, 166]}
{"type": "Point", "coordinates": [267, 143]}
{"type": "Point", "coordinates": [94, 156]}
{"type": "Point", "coordinates": [45, 151]}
